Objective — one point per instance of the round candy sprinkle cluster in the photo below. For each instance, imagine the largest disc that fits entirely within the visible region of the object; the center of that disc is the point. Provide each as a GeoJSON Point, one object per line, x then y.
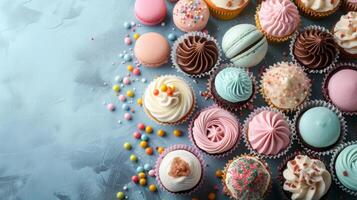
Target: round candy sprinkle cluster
{"type": "Point", "coordinates": [191, 10]}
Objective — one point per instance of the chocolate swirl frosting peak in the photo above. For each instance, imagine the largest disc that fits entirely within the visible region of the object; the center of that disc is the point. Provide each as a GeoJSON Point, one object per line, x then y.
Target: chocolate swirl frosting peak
{"type": "Point", "coordinates": [315, 49]}
{"type": "Point", "coordinates": [196, 55]}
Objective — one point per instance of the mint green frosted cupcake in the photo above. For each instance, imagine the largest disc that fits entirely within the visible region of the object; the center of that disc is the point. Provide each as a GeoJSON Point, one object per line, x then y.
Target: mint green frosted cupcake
{"type": "Point", "coordinates": [232, 88]}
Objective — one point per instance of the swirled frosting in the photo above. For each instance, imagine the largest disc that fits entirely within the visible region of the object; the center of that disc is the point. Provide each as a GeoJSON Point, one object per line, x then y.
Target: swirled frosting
{"type": "Point", "coordinates": [268, 133]}
{"type": "Point", "coordinates": [285, 85]}
{"type": "Point", "coordinates": [345, 32]}
{"type": "Point", "coordinates": [321, 5]}
{"type": "Point", "coordinates": [168, 108]}
{"type": "Point", "coordinates": [233, 84]}
{"type": "Point", "coordinates": [229, 4]}
{"type": "Point", "coordinates": [279, 18]}
{"type": "Point", "coordinates": [197, 55]}
{"type": "Point", "coordinates": [346, 167]}
{"type": "Point", "coordinates": [215, 130]}
{"type": "Point", "coordinates": [306, 178]}
{"type": "Point", "coordinates": [315, 49]}
{"type": "Point", "coordinates": [180, 170]}
{"type": "Point", "coordinates": [247, 178]}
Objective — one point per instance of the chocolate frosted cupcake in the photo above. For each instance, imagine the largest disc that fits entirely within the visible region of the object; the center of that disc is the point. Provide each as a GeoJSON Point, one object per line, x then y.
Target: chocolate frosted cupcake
{"type": "Point", "coordinates": [350, 5]}
{"type": "Point", "coordinates": [345, 34]}
{"type": "Point", "coordinates": [232, 88]}
{"type": "Point", "coordinates": [314, 49]}
{"type": "Point", "coordinates": [196, 54]}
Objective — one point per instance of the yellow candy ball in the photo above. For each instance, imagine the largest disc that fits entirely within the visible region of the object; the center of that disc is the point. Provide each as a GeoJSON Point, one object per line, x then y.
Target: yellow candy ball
{"type": "Point", "coordinates": [219, 173]}
{"type": "Point", "coordinates": [148, 129]}
{"type": "Point", "coordinates": [152, 188]}
{"type": "Point", "coordinates": [116, 88]}
{"type": "Point", "coordinates": [177, 133]}
{"type": "Point", "coordinates": [136, 36]}
{"type": "Point", "coordinates": [173, 88]}
{"type": "Point", "coordinates": [142, 175]}
{"type": "Point", "coordinates": [211, 196]}
{"type": "Point", "coordinates": [130, 68]}
{"type": "Point", "coordinates": [130, 93]}
{"type": "Point", "coordinates": [160, 149]}
{"type": "Point", "coordinates": [163, 88]}
{"type": "Point", "coordinates": [143, 144]}
{"type": "Point", "coordinates": [142, 181]}
{"type": "Point", "coordinates": [127, 146]}
{"type": "Point", "coordinates": [139, 101]}
{"type": "Point", "coordinates": [161, 133]}
{"type": "Point", "coordinates": [120, 195]}
{"type": "Point", "coordinates": [133, 158]}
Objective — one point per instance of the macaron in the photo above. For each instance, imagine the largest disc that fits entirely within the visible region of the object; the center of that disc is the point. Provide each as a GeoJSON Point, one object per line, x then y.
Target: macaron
{"type": "Point", "coordinates": [244, 45]}
{"type": "Point", "coordinates": [152, 49]}
{"type": "Point", "coordinates": [150, 12]}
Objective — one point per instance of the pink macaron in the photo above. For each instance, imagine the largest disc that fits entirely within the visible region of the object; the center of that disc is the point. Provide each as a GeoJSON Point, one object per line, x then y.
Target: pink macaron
{"type": "Point", "coordinates": [150, 12]}
{"type": "Point", "coordinates": [152, 49]}
{"type": "Point", "coordinates": [191, 15]}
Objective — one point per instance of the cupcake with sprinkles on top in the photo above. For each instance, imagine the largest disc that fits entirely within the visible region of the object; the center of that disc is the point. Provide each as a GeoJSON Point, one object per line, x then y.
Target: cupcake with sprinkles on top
{"type": "Point", "coordinates": [318, 8]}
{"type": "Point", "coordinates": [345, 34]}
{"type": "Point", "coordinates": [226, 9]}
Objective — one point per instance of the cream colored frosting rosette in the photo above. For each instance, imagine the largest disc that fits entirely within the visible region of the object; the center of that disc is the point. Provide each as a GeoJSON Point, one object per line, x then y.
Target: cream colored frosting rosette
{"type": "Point", "coordinates": [318, 8]}
{"type": "Point", "coordinates": [345, 34]}
{"type": "Point", "coordinates": [169, 100]}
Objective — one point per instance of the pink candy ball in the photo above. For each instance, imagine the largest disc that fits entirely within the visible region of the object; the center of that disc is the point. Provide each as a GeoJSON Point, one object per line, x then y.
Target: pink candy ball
{"type": "Point", "coordinates": [127, 40]}
{"type": "Point", "coordinates": [122, 98]}
{"type": "Point", "coordinates": [126, 80]}
{"type": "Point", "coordinates": [141, 126]}
{"type": "Point", "coordinates": [111, 107]}
{"type": "Point", "coordinates": [136, 71]}
{"type": "Point", "coordinates": [137, 135]}
{"type": "Point", "coordinates": [128, 116]}
{"type": "Point", "coordinates": [151, 173]}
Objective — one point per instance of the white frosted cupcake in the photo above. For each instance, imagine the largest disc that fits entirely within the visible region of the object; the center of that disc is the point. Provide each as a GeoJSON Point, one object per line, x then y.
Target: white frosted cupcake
{"type": "Point", "coordinates": [318, 8]}
{"type": "Point", "coordinates": [345, 34]}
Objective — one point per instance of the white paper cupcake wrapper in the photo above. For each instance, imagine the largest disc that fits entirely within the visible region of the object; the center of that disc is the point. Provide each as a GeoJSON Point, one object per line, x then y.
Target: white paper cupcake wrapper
{"type": "Point", "coordinates": [248, 103]}
{"type": "Point", "coordinates": [306, 69]}
{"type": "Point", "coordinates": [245, 132]}
{"type": "Point", "coordinates": [214, 155]}
{"type": "Point", "coordinates": [333, 171]}
{"type": "Point", "coordinates": [325, 82]}
{"type": "Point", "coordinates": [319, 103]}
{"type": "Point", "coordinates": [194, 107]}
{"type": "Point", "coordinates": [191, 149]}
{"type": "Point", "coordinates": [267, 100]}
{"type": "Point", "coordinates": [180, 40]}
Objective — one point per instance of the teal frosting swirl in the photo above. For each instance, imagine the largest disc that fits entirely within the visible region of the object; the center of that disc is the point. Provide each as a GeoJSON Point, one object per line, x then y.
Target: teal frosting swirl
{"type": "Point", "coordinates": [346, 167]}
{"type": "Point", "coordinates": [233, 84]}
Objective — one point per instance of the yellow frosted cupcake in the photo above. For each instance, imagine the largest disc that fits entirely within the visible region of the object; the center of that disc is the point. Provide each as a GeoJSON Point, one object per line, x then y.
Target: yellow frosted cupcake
{"type": "Point", "coordinates": [226, 9]}
{"type": "Point", "coordinates": [318, 8]}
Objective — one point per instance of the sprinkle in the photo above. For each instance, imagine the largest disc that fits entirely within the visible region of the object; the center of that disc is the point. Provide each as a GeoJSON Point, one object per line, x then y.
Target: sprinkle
{"type": "Point", "coordinates": [160, 149]}
{"type": "Point", "coordinates": [141, 174]}
{"type": "Point", "coordinates": [130, 93]}
{"type": "Point", "coordinates": [163, 88]}
{"type": "Point", "coordinates": [122, 98]}
{"type": "Point", "coordinates": [156, 92]}
{"type": "Point", "coordinates": [117, 79]}
{"type": "Point", "coordinates": [177, 133]}
{"type": "Point", "coordinates": [133, 158]}
{"type": "Point", "coordinates": [127, 146]}
{"type": "Point", "coordinates": [141, 126]}
{"type": "Point", "coordinates": [127, 41]}
{"type": "Point", "coordinates": [142, 181]}
{"type": "Point", "coordinates": [144, 137]}
{"type": "Point", "coordinates": [136, 36]}
{"type": "Point", "coordinates": [139, 169]}
{"type": "Point", "coordinates": [149, 129]}
{"type": "Point", "coordinates": [127, 25]}
{"type": "Point", "coordinates": [125, 187]}
{"type": "Point", "coordinates": [219, 173]}
{"type": "Point", "coordinates": [132, 23]}
{"type": "Point", "coordinates": [120, 195]}
{"type": "Point", "coordinates": [345, 173]}
{"type": "Point", "coordinates": [163, 24]}
{"type": "Point", "coordinates": [111, 107]}
{"type": "Point", "coordinates": [151, 173]}
{"type": "Point", "coordinates": [152, 188]}
{"type": "Point", "coordinates": [128, 116]}
{"type": "Point", "coordinates": [143, 80]}
{"type": "Point", "coordinates": [143, 144]}
{"type": "Point", "coordinates": [127, 58]}
{"type": "Point", "coordinates": [169, 92]}
{"type": "Point", "coordinates": [211, 196]}
{"type": "Point", "coordinates": [125, 106]}
{"type": "Point", "coordinates": [149, 151]}
{"type": "Point", "coordinates": [135, 179]}
{"type": "Point", "coordinates": [147, 167]}
{"type": "Point", "coordinates": [172, 36]}
{"type": "Point", "coordinates": [126, 80]}
{"type": "Point", "coordinates": [136, 72]}
{"type": "Point", "coordinates": [139, 101]}
{"type": "Point", "coordinates": [161, 133]}
{"type": "Point", "coordinates": [137, 135]}
{"type": "Point", "coordinates": [130, 68]}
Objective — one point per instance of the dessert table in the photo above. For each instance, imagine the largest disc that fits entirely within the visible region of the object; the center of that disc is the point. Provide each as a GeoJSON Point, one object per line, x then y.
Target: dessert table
{"type": "Point", "coordinates": [58, 62]}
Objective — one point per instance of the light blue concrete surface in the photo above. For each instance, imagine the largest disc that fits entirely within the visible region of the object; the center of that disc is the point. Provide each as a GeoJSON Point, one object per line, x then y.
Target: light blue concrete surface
{"type": "Point", "coordinates": [57, 140]}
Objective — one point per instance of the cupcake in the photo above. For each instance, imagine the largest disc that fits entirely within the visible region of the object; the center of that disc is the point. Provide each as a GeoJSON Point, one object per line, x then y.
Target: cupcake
{"type": "Point", "coordinates": [320, 127]}
{"type": "Point", "coordinates": [215, 131]}
{"type": "Point", "coordinates": [195, 54]}
{"type": "Point", "coordinates": [345, 34]}
{"type": "Point", "coordinates": [350, 5]}
{"type": "Point", "coordinates": [314, 49]}
{"type": "Point", "coordinates": [306, 178]}
{"type": "Point", "coordinates": [169, 100]}
{"type": "Point", "coordinates": [190, 15]}
{"type": "Point", "coordinates": [267, 132]}
{"type": "Point", "coordinates": [277, 19]}
{"type": "Point", "coordinates": [285, 86]}
{"type": "Point", "coordinates": [180, 169]}
{"type": "Point", "coordinates": [232, 88]}
{"type": "Point", "coordinates": [226, 9]}
{"type": "Point", "coordinates": [344, 168]}
{"type": "Point", "coordinates": [340, 87]}
{"type": "Point", "coordinates": [318, 8]}
{"type": "Point", "coordinates": [246, 177]}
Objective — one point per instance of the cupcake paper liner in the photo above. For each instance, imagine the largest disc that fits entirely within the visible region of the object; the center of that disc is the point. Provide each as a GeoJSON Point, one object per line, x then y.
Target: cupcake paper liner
{"type": "Point", "coordinates": [327, 77]}
{"type": "Point", "coordinates": [181, 147]}
{"type": "Point", "coordinates": [349, 6]}
{"type": "Point", "coordinates": [315, 14]}
{"type": "Point", "coordinates": [183, 120]}
{"type": "Point", "coordinates": [333, 171]}
{"type": "Point", "coordinates": [270, 38]}
{"type": "Point", "coordinates": [180, 40]}
{"type": "Point", "coordinates": [221, 155]}
{"type": "Point", "coordinates": [245, 133]}
{"type": "Point", "coordinates": [268, 101]}
{"type": "Point", "coordinates": [225, 190]}
{"type": "Point", "coordinates": [319, 103]}
{"type": "Point", "coordinates": [224, 14]}
{"type": "Point", "coordinates": [306, 69]}
{"type": "Point", "coordinates": [225, 105]}
{"type": "Point", "coordinates": [281, 167]}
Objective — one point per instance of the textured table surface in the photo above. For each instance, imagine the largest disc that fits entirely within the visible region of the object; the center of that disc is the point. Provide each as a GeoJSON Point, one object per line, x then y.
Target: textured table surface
{"type": "Point", "coordinates": [57, 140]}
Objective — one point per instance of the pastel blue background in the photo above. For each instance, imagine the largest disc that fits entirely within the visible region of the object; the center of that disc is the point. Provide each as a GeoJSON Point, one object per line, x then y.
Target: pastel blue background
{"type": "Point", "coordinates": [57, 140]}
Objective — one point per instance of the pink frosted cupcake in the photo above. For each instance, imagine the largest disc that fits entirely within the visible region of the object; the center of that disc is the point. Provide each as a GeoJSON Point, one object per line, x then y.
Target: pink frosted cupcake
{"type": "Point", "coordinates": [215, 131]}
{"type": "Point", "coordinates": [277, 19]}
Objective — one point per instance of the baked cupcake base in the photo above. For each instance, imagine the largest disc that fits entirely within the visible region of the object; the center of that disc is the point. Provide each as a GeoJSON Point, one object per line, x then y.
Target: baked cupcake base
{"type": "Point", "coordinates": [224, 14]}
{"type": "Point", "coordinates": [314, 14]}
